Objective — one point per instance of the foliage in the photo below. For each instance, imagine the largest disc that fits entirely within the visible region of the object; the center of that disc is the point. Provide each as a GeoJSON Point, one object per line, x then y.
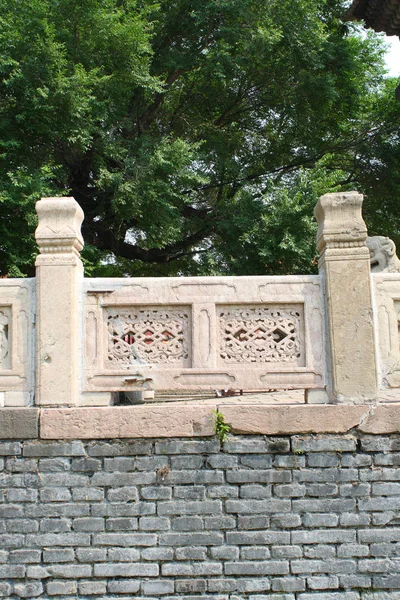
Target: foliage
{"type": "Point", "coordinates": [222, 429]}
{"type": "Point", "coordinates": [197, 136]}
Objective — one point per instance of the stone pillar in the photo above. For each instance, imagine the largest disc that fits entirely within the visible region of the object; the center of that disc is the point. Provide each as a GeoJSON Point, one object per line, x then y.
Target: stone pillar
{"type": "Point", "coordinates": [345, 268]}
{"type": "Point", "coordinates": [59, 273]}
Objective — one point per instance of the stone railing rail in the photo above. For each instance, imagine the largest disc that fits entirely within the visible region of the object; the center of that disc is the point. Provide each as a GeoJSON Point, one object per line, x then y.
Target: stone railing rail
{"type": "Point", "coordinates": [334, 334]}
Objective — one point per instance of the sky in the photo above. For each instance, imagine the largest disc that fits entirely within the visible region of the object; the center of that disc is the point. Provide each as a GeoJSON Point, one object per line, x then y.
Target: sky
{"type": "Point", "coordinates": [393, 56]}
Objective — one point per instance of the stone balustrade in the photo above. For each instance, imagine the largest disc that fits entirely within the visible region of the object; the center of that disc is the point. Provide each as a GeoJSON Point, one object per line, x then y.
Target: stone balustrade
{"type": "Point", "coordinates": [334, 334]}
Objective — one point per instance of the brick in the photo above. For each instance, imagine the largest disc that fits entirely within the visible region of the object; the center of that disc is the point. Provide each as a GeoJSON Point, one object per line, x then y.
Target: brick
{"type": "Point", "coordinates": [390, 582]}
{"type": "Point", "coordinates": [256, 461]}
{"type": "Point", "coordinates": [270, 567]}
{"type": "Point", "coordinates": [323, 566]}
{"type": "Point", "coordinates": [125, 586]}
{"type": "Point", "coordinates": [385, 489]}
{"type": "Point", "coordinates": [320, 520]}
{"type": "Point", "coordinates": [191, 539]}
{"type": "Point", "coordinates": [178, 507]}
{"type": "Point", "coordinates": [88, 524]}
{"type": "Point", "coordinates": [379, 444]}
{"type": "Point", "coordinates": [219, 523]}
{"type": "Point", "coordinates": [57, 510]}
{"type": "Point", "coordinates": [8, 511]}
{"type": "Point", "coordinates": [54, 465]}
{"type": "Point", "coordinates": [20, 465]}
{"type": "Point", "coordinates": [11, 540]}
{"type": "Point", "coordinates": [157, 554]}
{"type": "Point", "coordinates": [290, 491]}
{"type": "Point", "coordinates": [123, 494]}
{"type": "Point", "coordinates": [333, 505]}
{"type": "Point", "coordinates": [156, 493]}
{"type": "Point", "coordinates": [123, 509]}
{"type": "Point", "coordinates": [222, 585]}
{"type": "Point", "coordinates": [379, 535]}
{"type": "Point", "coordinates": [287, 552]}
{"type": "Point", "coordinates": [61, 588]}
{"type": "Point", "coordinates": [191, 553]}
{"type": "Point", "coordinates": [24, 556]}
{"type": "Point", "coordinates": [42, 540]}
{"type": "Point", "coordinates": [86, 465]}
{"type": "Point", "coordinates": [58, 480]}
{"type": "Point", "coordinates": [289, 521]}
{"type": "Point", "coordinates": [355, 490]}
{"type": "Point", "coordinates": [355, 581]}
{"type": "Point", "coordinates": [354, 520]}
{"type": "Point", "coordinates": [121, 524]}
{"type": "Point", "coordinates": [227, 552]}
{"type": "Point", "coordinates": [91, 555]}
{"type": "Point", "coordinates": [54, 555]}
{"type": "Point", "coordinates": [385, 549]}
{"type": "Point", "coordinates": [288, 584]}
{"type": "Point", "coordinates": [223, 491]}
{"type": "Point", "coordinates": [330, 596]}
{"type": "Point", "coordinates": [222, 461]}
{"type": "Point", "coordinates": [251, 553]}
{"type": "Point", "coordinates": [10, 448]}
{"type": "Point", "coordinates": [5, 589]}
{"type": "Point", "coordinates": [19, 423]}
{"type": "Point", "coordinates": [257, 537]}
{"type": "Point", "coordinates": [55, 495]}
{"type": "Point", "coordinates": [356, 460]}
{"type": "Point", "coordinates": [88, 495]}
{"type": "Point", "coordinates": [319, 551]}
{"type": "Point", "coordinates": [187, 586]}
{"type": "Point", "coordinates": [323, 444]}
{"type": "Point", "coordinates": [382, 504]}
{"type": "Point", "coordinates": [124, 464]}
{"type": "Point", "coordinates": [255, 491]}
{"type": "Point", "coordinates": [55, 525]}
{"type": "Point", "coordinates": [289, 462]}
{"type": "Point", "coordinates": [21, 526]}
{"type": "Point", "coordinates": [28, 590]}
{"type": "Point", "coordinates": [323, 536]}
{"type": "Point", "coordinates": [187, 447]}
{"type": "Point", "coordinates": [102, 479]}
{"type": "Point", "coordinates": [119, 448]}
{"type": "Point", "coordinates": [154, 524]}
{"type": "Point", "coordinates": [253, 445]}
{"type": "Point", "coordinates": [248, 522]}
{"type": "Point", "coordinates": [191, 569]}
{"type": "Point", "coordinates": [334, 475]}
{"type": "Point", "coordinates": [392, 459]}
{"type": "Point", "coordinates": [258, 476]}
{"type": "Point", "coordinates": [123, 555]}
{"type": "Point", "coordinates": [380, 474]}
{"type": "Point", "coordinates": [53, 449]}
{"type": "Point", "coordinates": [187, 524]}
{"type": "Point", "coordinates": [152, 463]}
{"type": "Point", "coordinates": [126, 570]}
{"type": "Point", "coordinates": [261, 584]}
{"type": "Point", "coordinates": [375, 565]}
{"type": "Point", "coordinates": [323, 460]}
{"type": "Point", "coordinates": [257, 506]}
{"type": "Point", "coordinates": [21, 495]}
{"type": "Point", "coordinates": [69, 571]}
{"type": "Point", "coordinates": [350, 550]}
{"type": "Point", "coordinates": [194, 492]}
{"type": "Point", "coordinates": [157, 588]}
{"type": "Point", "coordinates": [187, 462]}
{"type": "Point", "coordinates": [124, 539]}
{"type": "Point", "coordinates": [12, 571]}
{"type": "Point", "coordinates": [191, 476]}
{"type": "Point", "coordinates": [91, 588]}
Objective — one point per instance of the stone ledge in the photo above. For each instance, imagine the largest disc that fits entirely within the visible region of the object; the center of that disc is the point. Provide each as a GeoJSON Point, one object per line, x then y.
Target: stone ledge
{"type": "Point", "coordinates": [126, 422]}
{"type": "Point", "coordinates": [197, 421]}
{"type": "Point", "coordinates": [19, 423]}
{"type": "Point", "coordinates": [286, 420]}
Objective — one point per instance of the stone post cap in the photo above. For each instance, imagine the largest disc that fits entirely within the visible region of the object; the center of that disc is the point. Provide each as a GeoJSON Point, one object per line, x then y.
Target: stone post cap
{"type": "Point", "coordinates": [59, 228]}
{"type": "Point", "coordinates": [340, 222]}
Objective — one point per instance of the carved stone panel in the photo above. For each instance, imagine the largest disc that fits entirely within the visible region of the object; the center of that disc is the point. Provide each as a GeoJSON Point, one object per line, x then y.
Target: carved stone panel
{"type": "Point", "coordinates": [261, 334]}
{"type": "Point", "coordinates": [5, 337]}
{"type": "Point", "coordinates": [142, 335]}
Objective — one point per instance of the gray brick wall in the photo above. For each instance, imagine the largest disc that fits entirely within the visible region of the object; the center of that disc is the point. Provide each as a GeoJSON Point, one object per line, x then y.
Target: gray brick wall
{"type": "Point", "coordinates": [300, 518]}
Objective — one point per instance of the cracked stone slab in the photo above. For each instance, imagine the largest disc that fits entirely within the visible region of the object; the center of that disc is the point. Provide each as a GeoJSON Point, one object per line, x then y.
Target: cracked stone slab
{"type": "Point", "coordinates": [19, 423]}
{"type": "Point", "coordinates": [126, 422]}
{"type": "Point", "coordinates": [282, 420]}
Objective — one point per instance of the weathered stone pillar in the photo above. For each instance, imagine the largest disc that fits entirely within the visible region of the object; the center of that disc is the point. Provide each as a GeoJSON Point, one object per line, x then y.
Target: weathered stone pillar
{"type": "Point", "coordinates": [59, 274]}
{"type": "Point", "coordinates": [345, 267]}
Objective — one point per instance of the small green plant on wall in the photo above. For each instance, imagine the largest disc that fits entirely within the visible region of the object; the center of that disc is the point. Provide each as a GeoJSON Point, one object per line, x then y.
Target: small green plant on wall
{"type": "Point", "coordinates": [221, 428]}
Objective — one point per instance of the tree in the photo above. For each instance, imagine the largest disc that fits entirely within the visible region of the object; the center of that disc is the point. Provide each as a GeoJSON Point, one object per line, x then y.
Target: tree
{"type": "Point", "coordinates": [196, 136]}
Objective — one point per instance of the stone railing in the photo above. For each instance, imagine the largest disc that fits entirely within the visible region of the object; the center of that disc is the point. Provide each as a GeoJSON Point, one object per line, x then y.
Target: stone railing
{"type": "Point", "coordinates": [98, 336]}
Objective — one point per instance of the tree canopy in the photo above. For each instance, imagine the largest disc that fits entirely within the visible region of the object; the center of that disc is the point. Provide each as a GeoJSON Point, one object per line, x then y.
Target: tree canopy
{"type": "Point", "coordinates": [196, 136]}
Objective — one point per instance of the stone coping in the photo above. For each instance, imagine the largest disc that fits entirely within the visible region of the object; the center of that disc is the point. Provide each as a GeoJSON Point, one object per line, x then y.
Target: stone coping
{"type": "Point", "coordinates": [164, 421]}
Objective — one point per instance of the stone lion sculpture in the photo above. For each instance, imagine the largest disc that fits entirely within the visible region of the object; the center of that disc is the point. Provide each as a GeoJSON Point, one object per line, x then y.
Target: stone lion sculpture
{"type": "Point", "coordinates": [383, 255]}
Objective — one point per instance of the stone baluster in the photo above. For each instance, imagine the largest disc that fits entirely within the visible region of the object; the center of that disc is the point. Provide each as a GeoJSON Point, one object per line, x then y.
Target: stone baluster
{"type": "Point", "coordinates": [345, 268]}
{"type": "Point", "coordinates": [59, 273]}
